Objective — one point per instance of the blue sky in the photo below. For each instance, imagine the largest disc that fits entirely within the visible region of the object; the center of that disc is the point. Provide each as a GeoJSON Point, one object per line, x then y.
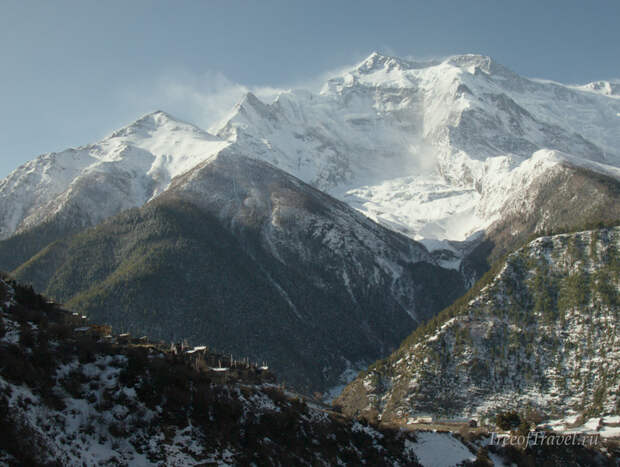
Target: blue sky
{"type": "Point", "coordinates": [72, 71]}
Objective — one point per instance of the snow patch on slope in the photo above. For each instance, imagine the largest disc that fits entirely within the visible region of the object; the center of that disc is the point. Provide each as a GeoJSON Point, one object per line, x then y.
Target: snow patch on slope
{"type": "Point", "coordinates": [439, 449]}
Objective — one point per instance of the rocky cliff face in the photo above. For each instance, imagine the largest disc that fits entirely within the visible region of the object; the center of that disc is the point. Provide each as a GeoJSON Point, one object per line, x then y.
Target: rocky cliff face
{"type": "Point", "coordinates": [540, 330]}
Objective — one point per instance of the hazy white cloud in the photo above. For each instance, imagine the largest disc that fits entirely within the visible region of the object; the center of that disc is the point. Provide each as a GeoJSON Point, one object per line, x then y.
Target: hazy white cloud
{"type": "Point", "coordinates": [203, 99]}
{"type": "Point", "coordinates": [206, 99]}
{"type": "Point", "coordinates": [315, 83]}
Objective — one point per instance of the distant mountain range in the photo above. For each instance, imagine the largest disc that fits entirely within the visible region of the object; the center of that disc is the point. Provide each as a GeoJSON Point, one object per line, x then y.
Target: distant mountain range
{"type": "Point", "coordinates": [318, 230]}
{"type": "Point", "coordinates": [436, 150]}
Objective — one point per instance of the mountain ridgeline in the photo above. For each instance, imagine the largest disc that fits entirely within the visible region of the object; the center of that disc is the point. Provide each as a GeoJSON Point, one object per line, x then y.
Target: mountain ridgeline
{"type": "Point", "coordinates": [437, 150]}
{"type": "Point", "coordinates": [554, 202]}
{"type": "Point", "coordinates": [540, 331]}
{"type": "Point", "coordinates": [247, 259]}
{"type": "Point", "coordinates": [318, 230]}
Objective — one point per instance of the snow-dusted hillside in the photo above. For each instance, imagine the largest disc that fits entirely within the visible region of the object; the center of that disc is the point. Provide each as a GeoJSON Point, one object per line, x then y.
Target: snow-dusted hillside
{"type": "Point", "coordinates": [72, 394]}
{"type": "Point", "coordinates": [541, 332]}
{"type": "Point", "coordinates": [436, 150]}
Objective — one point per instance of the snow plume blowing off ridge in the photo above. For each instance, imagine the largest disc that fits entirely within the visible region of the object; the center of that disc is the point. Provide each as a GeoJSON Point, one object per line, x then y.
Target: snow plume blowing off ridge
{"type": "Point", "coordinates": [204, 99]}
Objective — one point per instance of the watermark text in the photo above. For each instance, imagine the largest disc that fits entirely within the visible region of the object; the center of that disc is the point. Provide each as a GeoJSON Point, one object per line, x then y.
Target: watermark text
{"type": "Point", "coordinates": [542, 438]}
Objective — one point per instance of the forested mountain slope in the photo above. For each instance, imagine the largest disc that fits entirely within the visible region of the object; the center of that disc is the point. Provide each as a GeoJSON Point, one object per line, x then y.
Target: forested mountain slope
{"type": "Point", "coordinates": [243, 256]}
{"type": "Point", "coordinates": [541, 330]}
{"type": "Point", "coordinates": [72, 394]}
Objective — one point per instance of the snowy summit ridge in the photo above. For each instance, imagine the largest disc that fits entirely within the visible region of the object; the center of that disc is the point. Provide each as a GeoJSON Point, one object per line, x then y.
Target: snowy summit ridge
{"type": "Point", "coordinates": [124, 170]}
{"type": "Point", "coordinates": [436, 150]}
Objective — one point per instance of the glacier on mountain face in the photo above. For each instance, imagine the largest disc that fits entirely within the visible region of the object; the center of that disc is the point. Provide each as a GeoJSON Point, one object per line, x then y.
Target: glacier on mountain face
{"type": "Point", "coordinates": [434, 150]}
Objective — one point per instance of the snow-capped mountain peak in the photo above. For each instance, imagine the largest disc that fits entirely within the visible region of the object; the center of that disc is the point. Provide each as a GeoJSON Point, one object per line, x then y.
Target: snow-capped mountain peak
{"type": "Point", "coordinates": [468, 62]}
{"type": "Point", "coordinates": [377, 61]}
{"type": "Point", "coordinates": [385, 132]}
{"type": "Point", "coordinates": [154, 119]}
{"type": "Point", "coordinates": [386, 71]}
{"type": "Point", "coordinates": [159, 129]}
{"type": "Point", "coordinates": [123, 170]}
{"type": "Point", "coordinates": [473, 63]}
{"type": "Point", "coordinates": [176, 146]}
{"type": "Point", "coordinates": [424, 147]}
